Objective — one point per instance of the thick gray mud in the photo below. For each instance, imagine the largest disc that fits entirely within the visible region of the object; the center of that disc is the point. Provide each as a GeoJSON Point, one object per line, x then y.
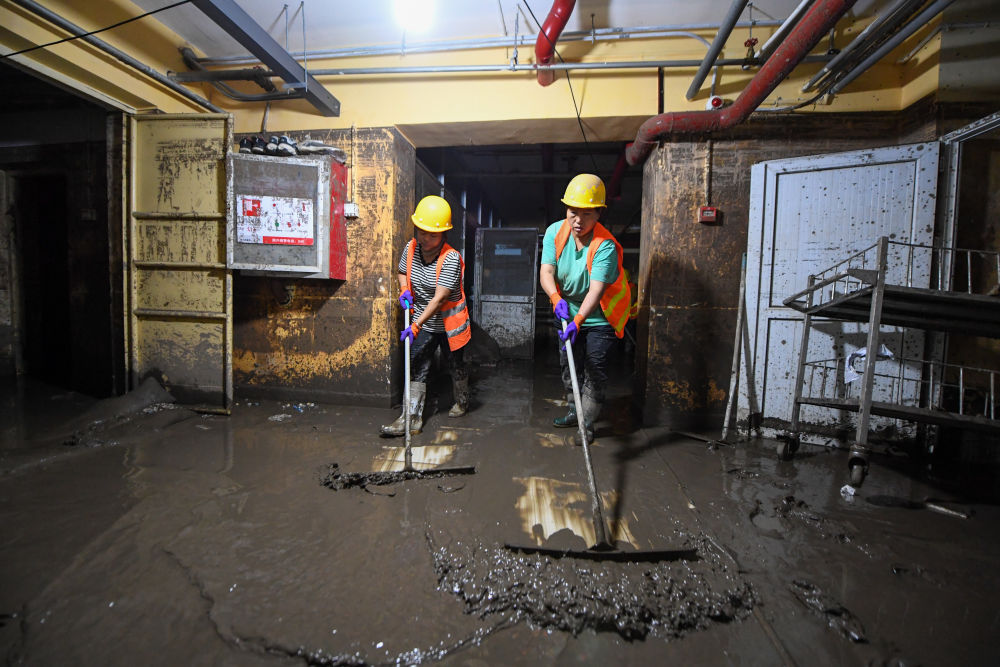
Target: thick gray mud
{"type": "Point", "coordinates": [167, 537]}
{"type": "Point", "coordinates": [636, 600]}
{"type": "Point", "coordinates": [336, 479]}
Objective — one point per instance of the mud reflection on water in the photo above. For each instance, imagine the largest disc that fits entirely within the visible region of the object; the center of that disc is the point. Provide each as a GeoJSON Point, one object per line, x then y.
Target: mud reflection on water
{"type": "Point", "coordinates": [548, 506]}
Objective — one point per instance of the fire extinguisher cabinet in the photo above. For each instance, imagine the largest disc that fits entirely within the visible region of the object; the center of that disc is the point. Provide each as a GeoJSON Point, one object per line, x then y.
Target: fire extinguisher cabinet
{"type": "Point", "coordinates": [286, 216]}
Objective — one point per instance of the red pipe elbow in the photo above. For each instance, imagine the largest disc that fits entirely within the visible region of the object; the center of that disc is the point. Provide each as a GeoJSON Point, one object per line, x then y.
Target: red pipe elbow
{"type": "Point", "coordinates": [545, 45]}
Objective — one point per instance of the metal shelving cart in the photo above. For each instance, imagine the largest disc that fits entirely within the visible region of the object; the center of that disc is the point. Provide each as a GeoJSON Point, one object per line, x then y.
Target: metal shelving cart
{"type": "Point", "coordinates": [874, 287]}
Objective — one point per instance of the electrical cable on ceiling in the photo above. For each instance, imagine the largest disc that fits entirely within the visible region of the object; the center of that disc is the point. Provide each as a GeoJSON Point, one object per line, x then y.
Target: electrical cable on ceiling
{"type": "Point", "coordinates": [570, 83]}
{"type": "Point", "coordinates": [94, 32]}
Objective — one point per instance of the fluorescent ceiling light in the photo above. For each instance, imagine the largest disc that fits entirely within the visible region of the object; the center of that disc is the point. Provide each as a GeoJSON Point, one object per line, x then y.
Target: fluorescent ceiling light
{"type": "Point", "coordinates": [414, 15]}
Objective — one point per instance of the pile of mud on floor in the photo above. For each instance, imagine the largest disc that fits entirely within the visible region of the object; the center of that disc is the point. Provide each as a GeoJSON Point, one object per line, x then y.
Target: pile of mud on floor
{"type": "Point", "coordinates": [336, 479]}
{"type": "Point", "coordinates": [636, 600]}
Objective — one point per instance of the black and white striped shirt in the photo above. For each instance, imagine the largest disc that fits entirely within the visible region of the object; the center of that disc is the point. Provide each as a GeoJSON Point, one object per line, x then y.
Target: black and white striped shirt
{"type": "Point", "coordinates": [424, 278]}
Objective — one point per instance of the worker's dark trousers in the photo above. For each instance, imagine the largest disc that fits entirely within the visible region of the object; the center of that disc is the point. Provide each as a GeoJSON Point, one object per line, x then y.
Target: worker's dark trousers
{"type": "Point", "coordinates": [422, 356]}
{"type": "Point", "coordinates": [590, 352]}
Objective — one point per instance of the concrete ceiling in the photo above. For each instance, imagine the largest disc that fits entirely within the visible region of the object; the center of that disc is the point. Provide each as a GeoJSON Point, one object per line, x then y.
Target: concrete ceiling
{"type": "Point", "coordinates": [342, 24]}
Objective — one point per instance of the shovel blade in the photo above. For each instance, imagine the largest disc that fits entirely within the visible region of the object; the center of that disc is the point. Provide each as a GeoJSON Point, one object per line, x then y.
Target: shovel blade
{"type": "Point", "coordinates": [609, 553]}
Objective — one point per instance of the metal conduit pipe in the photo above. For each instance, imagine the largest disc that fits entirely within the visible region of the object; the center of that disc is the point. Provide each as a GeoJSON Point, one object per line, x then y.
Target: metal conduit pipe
{"type": "Point", "coordinates": [944, 27]}
{"type": "Point", "coordinates": [818, 21]}
{"type": "Point", "coordinates": [73, 29]}
{"type": "Point", "coordinates": [720, 40]}
{"type": "Point", "coordinates": [447, 46]}
{"type": "Point", "coordinates": [918, 22]}
{"type": "Point", "coordinates": [772, 42]}
{"type": "Point", "coordinates": [213, 76]}
{"type": "Point", "coordinates": [200, 74]}
{"type": "Point", "coordinates": [893, 17]}
{"type": "Point", "coordinates": [451, 69]}
{"type": "Point", "coordinates": [545, 45]}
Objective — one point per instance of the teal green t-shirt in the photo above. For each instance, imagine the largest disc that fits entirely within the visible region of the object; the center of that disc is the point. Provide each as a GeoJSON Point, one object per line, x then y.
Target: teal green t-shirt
{"type": "Point", "coordinates": [571, 271]}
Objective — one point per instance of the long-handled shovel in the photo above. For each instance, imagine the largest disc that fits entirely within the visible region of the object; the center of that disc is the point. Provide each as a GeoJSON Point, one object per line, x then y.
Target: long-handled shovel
{"type": "Point", "coordinates": [408, 469]}
{"type": "Point", "coordinates": [603, 548]}
{"type": "Point", "coordinates": [336, 479]}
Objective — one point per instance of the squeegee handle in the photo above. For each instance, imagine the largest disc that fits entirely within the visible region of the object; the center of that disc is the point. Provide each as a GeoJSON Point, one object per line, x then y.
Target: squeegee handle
{"type": "Point", "coordinates": [406, 393]}
{"type": "Point", "coordinates": [595, 500]}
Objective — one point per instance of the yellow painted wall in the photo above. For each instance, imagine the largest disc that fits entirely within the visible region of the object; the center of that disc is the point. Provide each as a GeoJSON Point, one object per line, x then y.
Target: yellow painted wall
{"type": "Point", "coordinates": [603, 97]}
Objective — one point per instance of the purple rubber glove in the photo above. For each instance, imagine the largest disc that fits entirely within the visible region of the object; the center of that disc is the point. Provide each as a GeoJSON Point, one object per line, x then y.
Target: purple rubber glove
{"type": "Point", "coordinates": [562, 310]}
{"type": "Point", "coordinates": [410, 332]}
{"type": "Point", "coordinates": [570, 333]}
{"type": "Point", "coordinates": [405, 300]}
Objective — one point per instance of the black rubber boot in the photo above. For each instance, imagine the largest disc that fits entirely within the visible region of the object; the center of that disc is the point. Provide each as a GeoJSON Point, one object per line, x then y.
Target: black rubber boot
{"type": "Point", "coordinates": [418, 391]}
{"type": "Point", "coordinates": [569, 420]}
{"type": "Point", "coordinates": [461, 390]}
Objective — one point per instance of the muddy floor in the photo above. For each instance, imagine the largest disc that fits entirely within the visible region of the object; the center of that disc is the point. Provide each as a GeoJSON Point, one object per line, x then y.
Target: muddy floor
{"type": "Point", "coordinates": [136, 531]}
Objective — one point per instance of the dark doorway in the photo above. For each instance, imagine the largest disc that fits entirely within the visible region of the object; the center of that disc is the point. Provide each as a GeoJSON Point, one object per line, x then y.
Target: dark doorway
{"type": "Point", "coordinates": [520, 186]}
{"type": "Point", "coordinates": [43, 249]}
{"type": "Point", "coordinates": [65, 291]}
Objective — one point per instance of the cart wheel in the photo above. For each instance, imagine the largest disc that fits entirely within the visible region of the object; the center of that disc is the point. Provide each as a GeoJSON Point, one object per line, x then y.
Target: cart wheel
{"type": "Point", "coordinates": [788, 444]}
{"type": "Point", "coordinates": [858, 474]}
{"type": "Point", "coordinates": [784, 451]}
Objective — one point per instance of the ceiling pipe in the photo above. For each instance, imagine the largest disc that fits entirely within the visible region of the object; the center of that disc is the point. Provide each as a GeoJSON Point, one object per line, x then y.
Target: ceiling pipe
{"type": "Point", "coordinates": [817, 22]}
{"type": "Point", "coordinates": [772, 42]}
{"type": "Point", "coordinates": [236, 75]}
{"type": "Point", "coordinates": [890, 20]}
{"type": "Point", "coordinates": [258, 75]}
{"type": "Point", "coordinates": [720, 40]}
{"type": "Point", "coordinates": [73, 29]}
{"type": "Point", "coordinates": [944, 27]}
{"type": "Point", "coordinates": [545, 45]}
{"type": "Point", "coordinates": [917, 23]}
{"type": "Point", "coordinates": [614, 191]}
{"type": "Point", "coordinates": [453, 45]}
{"type": "Point", "coordinates": [715, 72]}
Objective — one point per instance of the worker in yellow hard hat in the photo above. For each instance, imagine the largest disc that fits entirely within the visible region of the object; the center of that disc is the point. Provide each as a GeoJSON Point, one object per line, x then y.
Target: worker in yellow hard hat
{"type": "Point", "coordinates": [581, 272]}
{"type": "Point", "coordinates": [431, 274]}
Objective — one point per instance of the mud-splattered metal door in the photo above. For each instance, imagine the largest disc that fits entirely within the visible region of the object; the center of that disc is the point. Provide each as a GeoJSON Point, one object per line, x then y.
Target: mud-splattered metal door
{"type": "Point", "coordinates": [180, 291]}
{"type": "Point", "coordinates": [506, 279]}
{"type": "Point", "coordinates": [807, 214]}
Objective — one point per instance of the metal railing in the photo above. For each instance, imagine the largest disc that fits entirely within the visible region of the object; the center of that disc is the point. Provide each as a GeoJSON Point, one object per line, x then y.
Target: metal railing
{"type": "Point", "coordinates": [909, 265]}
{"type": "Point", "coordinates": [915, 383]}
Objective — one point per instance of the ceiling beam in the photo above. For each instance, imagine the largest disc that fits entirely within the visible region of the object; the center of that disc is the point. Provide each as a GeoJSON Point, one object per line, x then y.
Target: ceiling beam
{"type": "Point", "coordinates": [231, 18]}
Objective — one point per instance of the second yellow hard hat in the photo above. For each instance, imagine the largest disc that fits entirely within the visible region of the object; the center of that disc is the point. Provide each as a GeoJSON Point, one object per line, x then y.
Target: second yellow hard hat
{"type": "Point", "coordinates": [585, 191]}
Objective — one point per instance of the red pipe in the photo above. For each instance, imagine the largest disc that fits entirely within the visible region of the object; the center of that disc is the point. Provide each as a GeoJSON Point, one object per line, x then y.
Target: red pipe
{"type": "Point", "coordinates": [614, 192]}
{"type": "Point", "coordinates": [814, 26]}
{"type": "Point", "coordinates": [545, 45]}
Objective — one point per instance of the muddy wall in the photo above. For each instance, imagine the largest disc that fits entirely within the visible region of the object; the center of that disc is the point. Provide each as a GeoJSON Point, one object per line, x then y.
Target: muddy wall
{"type": "Point", "coordinates": [335, 340]}
{"type": "Point", "coordinates": [690, 271]}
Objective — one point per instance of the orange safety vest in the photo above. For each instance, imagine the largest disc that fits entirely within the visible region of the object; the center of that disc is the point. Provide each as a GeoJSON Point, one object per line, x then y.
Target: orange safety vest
{"type": "Point", "coordinates": [616, 299]}
{"type": "Point", "coordinates": [454, 313]}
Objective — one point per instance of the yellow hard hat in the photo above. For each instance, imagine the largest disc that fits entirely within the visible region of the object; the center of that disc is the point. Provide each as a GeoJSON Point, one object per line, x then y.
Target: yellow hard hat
{"type": "Point", "coordinates": [433, 214]}
{"type": "Point", "coordinates": [585, 191]}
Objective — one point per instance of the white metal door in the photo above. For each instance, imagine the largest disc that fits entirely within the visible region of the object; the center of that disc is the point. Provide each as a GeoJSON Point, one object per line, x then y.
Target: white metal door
{"type": "Point", "coordinates": [807, 214]}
